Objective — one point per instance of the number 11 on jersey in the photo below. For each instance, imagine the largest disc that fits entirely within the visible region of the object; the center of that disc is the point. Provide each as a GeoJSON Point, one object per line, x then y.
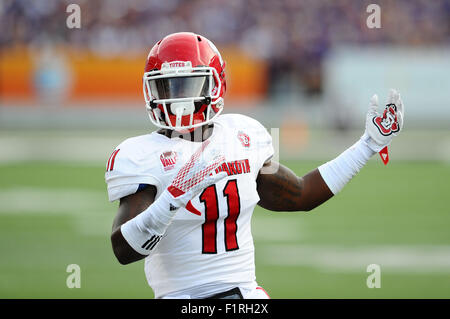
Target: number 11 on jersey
{"type": "Point", "coordinates": [209, 227]}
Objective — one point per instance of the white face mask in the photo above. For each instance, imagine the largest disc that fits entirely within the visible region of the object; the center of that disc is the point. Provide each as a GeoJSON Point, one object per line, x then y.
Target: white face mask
{"type": "Point", "coordinates": [180, 109]}
{"type": "Point", "coordinates": [176, 87]}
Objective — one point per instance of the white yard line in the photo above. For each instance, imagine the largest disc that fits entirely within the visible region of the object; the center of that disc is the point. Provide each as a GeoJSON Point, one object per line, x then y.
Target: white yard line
{"type": "Point", "coordinates": [29, 200]}
{"type": "Point", "coordinates": [391, 258]}
{"type": "Point", "coordinates": [91, 212]}
{"type": "Point", "coordinates": [54, 147]}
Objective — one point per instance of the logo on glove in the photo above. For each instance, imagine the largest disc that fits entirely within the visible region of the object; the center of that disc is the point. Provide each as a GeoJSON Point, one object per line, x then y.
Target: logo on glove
{"type": "Point", "coordinates": [388, 122]}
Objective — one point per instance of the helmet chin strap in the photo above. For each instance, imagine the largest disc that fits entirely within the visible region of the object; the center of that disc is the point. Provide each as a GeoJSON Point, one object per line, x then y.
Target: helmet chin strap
{"type": "Point", "coordinates": [180, 109]}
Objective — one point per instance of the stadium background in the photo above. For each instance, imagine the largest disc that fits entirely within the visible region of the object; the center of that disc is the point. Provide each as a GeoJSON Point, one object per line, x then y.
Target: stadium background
{"type": "Point", "coordinates": [305, 69]}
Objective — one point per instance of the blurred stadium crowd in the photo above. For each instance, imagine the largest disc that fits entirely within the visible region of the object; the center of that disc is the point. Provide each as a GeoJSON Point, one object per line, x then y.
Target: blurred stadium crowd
{"type": "Point", "coordinates": [292, 36]}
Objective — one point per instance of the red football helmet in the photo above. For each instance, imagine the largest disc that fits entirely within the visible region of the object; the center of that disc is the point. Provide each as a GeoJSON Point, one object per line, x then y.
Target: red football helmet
{"type": "Point", "coordinates": [184, 82]}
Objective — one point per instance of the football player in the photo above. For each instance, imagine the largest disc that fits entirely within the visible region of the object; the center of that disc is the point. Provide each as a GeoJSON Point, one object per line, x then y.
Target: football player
{"type": "Point", "coordinates": [188, 190]}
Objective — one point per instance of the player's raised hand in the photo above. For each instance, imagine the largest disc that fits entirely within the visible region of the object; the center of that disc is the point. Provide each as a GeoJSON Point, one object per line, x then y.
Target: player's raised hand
{"type": "Point", "coordinates": [196, 174]}
{"type": "Point", "coordinates": [381, 128]}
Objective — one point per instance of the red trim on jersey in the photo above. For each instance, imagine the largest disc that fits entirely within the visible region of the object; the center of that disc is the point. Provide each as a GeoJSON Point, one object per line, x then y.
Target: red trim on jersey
{"type": "Point", "coordinates": [192, 209]}
{"type": "Point", "coordinates": [109, 160]}
{"type": "Point", "coordinates": [110, 165]}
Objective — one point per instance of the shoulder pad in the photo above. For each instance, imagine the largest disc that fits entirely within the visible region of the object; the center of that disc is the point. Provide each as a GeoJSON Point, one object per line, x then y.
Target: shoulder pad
{"type": "Point", "coordinates": [133, 162]}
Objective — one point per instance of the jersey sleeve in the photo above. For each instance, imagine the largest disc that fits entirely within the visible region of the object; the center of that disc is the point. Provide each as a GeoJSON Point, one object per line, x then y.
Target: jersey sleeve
{"type": "Point", "coordinates": [253, 136]}
{"type": "Point", "coordinates": [264, 145]}
{"type": "Point", "coordinates": [127, 168]}
{"type": "Point", "coordinates": [260, 139]}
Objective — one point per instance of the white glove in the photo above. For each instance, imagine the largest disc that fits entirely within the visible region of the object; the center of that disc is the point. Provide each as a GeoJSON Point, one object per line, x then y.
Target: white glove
{"type": "Point", "coordinates": [195, 175]}
{"type": "Point", "coordinates": [381, 128]}
{"type": "Point", "coordinates": [144, 231]}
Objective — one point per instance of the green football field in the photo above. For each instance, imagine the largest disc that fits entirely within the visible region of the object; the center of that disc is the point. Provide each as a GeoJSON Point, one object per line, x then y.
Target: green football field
{"type": "Point", "coordinates": [397, 217]}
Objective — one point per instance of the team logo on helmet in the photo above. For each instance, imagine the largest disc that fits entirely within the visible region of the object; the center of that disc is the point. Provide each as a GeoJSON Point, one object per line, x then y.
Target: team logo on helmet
{"type": "Point", "coordinates": [244, 138]}
{"type": "Point", "coordinates": [168, 160]}
{"type": "Point", "coordinates": [387, 123]}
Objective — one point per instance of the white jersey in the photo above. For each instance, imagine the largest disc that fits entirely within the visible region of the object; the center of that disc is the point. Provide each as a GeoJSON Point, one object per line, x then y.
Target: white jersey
{"type": "Point", "coordinates": [208, 244]}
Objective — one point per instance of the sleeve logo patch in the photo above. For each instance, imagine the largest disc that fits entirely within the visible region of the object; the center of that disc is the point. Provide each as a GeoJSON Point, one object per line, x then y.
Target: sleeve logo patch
{"type": "Point", "coordinates": [168, 160]}
{"type": "Point", "coordinates": [244, 138]}
{"type": "Point", "coordinates": [388, 122]}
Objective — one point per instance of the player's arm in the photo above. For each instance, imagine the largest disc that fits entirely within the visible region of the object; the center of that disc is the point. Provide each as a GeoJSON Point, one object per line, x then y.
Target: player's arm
{"type": "Point", "coordinates": [130, 206]}
{"type": "Point", "coordinates": [285, 191]}
{"type": "Point", "coordinates": [143, 219]}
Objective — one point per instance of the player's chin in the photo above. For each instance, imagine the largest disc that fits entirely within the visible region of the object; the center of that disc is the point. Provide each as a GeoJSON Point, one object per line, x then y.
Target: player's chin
{"type": "Point", "coordinates": [187, 129]}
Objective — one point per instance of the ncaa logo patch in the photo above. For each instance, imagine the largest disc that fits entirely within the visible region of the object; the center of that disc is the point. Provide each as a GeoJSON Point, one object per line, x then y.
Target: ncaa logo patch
{"type": "Point", "coordinates": [244, 138]}
{"type": "Point", "coordinates": [387, 123]}
{"type": "Point", "coordinates": [168, 160]}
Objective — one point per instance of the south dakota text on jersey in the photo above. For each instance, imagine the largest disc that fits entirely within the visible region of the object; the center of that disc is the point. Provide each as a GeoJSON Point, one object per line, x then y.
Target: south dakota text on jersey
{"type": "Point", "coordinates": [235, 167]}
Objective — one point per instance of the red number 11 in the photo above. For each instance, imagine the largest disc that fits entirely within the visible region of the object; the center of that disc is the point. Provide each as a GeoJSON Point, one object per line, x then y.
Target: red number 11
{"type": "Point", "coordinates": [209, 227]}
